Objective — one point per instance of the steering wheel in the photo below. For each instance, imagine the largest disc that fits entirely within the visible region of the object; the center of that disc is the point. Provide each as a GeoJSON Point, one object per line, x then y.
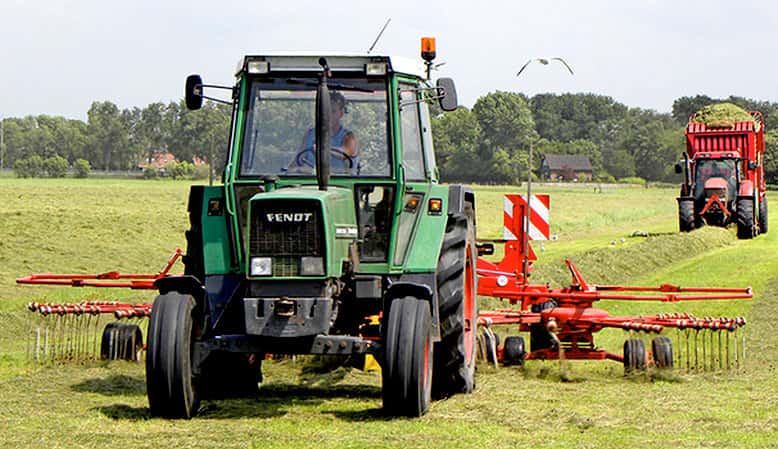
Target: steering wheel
{"type": "Point", "coordinates": [302, 161]}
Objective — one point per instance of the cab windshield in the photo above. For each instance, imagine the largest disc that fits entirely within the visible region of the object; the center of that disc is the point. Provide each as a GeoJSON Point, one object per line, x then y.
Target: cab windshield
{"type": "Point", "coordinates": [279, 134]}
{"type": "Point", "coordinates": [714, 168]}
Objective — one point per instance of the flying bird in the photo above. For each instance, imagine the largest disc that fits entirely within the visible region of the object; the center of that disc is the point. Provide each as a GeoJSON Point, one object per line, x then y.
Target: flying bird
{"type": "Point", "coordinates": [545, 62]}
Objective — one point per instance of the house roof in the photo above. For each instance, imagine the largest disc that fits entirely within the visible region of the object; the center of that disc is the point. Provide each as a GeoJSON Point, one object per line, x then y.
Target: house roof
{"type": "Point", "coordinates": [574, 162]}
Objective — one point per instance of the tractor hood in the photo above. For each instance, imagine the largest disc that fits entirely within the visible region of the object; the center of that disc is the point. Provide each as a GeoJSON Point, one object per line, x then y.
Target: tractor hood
{"type": "Point", "coordinates": [300, 232]}
{"type": "Point", "coordinates": [716, 184]}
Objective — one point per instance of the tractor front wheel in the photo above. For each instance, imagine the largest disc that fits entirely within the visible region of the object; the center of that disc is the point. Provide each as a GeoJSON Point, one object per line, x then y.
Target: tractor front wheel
{"type": "Point", "coordinates": [763, 216]}
{"type": "Point", "coordinates": [169, 381]}
{"type": "Point", "coordinates": [686, 215]}
{"type": "Point", "coordinates": [407, 369]}
{"type": "Point", "coordinates": [745, 218]}
{"type": "Point", "coordinates": [457, 286]}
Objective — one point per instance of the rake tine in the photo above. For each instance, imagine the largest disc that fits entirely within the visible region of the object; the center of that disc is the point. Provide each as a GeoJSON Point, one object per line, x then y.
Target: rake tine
{"type": "Point", "coordinates": [704, 357]}
{"type": "Point", "coordinates": [38, 340]}
{"type": "Point", "coordinates": [712, 352]}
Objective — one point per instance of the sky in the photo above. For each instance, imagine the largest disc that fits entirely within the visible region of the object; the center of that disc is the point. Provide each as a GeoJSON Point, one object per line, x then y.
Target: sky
{"type": "Point", "coordinates": [57, 57]}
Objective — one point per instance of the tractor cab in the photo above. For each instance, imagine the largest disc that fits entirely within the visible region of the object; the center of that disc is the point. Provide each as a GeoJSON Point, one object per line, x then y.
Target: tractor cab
{"type": "Point", "coordinates": [716, 177]}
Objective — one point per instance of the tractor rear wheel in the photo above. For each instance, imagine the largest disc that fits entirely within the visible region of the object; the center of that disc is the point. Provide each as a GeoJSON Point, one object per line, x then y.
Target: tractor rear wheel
{"type": "Point", "coordinates": [662, 352]}
{"type": "Point", "coordinates": [407, 369]}
{"type": "Point", "coordinates": [686, 215]}
{"type": "Point", "coordinates": [763, 216]}
{"type": "Point", "coordinates": [513, 351]}
{"type": "Point", "coordinates": [457, 286]}
{"type": "Point", "coordinates": [634, 355]}
{"type": "Point", "coordinates": [745, 218]}
{"type": "Point", "coordinates": [170, 384]}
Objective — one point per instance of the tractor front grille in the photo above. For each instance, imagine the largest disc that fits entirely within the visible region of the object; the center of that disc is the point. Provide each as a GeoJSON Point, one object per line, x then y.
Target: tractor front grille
{"type": "Point", "coordinates": [286, 230]}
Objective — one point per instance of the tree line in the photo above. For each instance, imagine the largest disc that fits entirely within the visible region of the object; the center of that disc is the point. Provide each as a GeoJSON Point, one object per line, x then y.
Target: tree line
{"type": "Point", "coordinates": [487, 143]}
{"type": "Point", "coordinates": [119, 139]}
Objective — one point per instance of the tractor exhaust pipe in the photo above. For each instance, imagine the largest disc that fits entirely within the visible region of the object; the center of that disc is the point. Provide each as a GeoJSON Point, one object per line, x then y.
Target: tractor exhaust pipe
{"type": "Point", "coordinates": [323, 121]}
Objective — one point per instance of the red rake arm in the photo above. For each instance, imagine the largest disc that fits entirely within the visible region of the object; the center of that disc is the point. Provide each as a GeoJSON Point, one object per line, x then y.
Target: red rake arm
{"type": "Point", "coordinates": [133, 281]}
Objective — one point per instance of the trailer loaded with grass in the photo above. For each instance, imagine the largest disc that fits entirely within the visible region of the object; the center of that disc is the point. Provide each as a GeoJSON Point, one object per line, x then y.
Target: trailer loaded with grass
{"type": "Point", "coordinates": [723, 169]}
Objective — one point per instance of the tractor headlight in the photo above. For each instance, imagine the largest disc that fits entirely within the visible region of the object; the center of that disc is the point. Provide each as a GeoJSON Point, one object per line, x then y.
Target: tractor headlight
{"type": "Point", "coordinates": [312, 266]}
{"type": "Point", "coordinates": [257, 67]}
{"type": "Point", "coordinates": [261, 266]}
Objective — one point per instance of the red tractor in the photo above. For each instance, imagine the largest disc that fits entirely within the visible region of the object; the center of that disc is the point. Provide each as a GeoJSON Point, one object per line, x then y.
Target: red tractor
{"type": "Point", "coordinates": [724, 177]}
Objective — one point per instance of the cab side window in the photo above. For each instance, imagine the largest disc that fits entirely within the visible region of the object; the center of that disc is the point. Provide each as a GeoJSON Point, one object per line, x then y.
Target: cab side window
{"type": "Point", "coordinates": [413, 158]}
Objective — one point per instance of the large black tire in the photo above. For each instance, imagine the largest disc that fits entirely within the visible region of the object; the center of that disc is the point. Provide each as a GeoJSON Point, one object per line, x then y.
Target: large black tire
{"type": "Point", "coordinates": [513, 352]}
{"type": "Point", "coordinates": [539, 337]}
{"type": "Point", "coordinates": [763, 216]}
{"type": "Point", "coordinates": [407, 368]}
{"type": "Point", "coordinates": [121, 342]}
{"type": "Point", "coordinates": [745, 218]}
{"type": "Point", "coordinates": [634, 355]}
{"type": "Point", "coordinates": [109, 343]}
{"type": "Point", "coordinates": [686, 215]}
{"type": "Point", "coordinates": [662, 352]}
{"type": "Point", "coordinates": [455, 353]}
{"type": "Point", "coordinates": [170, 384]}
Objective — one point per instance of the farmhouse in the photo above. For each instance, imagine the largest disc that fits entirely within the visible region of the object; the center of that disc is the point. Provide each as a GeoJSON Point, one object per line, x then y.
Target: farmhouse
{"type": "Point", "coordinates": [566, 167]}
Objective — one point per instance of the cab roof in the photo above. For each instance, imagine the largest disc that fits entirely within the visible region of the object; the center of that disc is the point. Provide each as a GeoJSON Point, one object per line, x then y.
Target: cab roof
{"type": "Point", "coordinates": [338, 61]}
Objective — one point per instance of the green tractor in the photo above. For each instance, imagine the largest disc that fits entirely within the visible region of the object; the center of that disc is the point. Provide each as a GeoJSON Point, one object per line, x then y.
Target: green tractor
{"type": "Point", "coordinates": [330, 235]}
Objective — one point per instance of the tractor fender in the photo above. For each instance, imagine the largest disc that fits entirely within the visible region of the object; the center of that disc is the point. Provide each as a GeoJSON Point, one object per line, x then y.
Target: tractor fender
{"type": "Point", "coordinates": [185, 284]}
{"type": "Point", "coordinates": [458, 196]}
{"type": "Point", "coordinates": [404, 288]}
{"type": "Point", "coordinates": [421, 287]}
{"type": "Point", "coordinates": [746, 188]}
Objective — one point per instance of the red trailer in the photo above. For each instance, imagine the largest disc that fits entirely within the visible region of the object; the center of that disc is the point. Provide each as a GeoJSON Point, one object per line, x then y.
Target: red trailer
{"type": "Point", "coordinates": [724, 177]}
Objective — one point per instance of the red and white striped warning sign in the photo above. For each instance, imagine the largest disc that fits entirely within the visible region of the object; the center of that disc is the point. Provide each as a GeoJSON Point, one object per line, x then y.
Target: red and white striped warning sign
{"type": "Point", "coordinates": [514, 216]}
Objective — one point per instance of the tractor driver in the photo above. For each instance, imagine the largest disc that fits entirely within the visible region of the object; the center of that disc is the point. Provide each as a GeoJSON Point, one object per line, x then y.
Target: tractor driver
{"type": "Point", "coordinates": [344, 152]}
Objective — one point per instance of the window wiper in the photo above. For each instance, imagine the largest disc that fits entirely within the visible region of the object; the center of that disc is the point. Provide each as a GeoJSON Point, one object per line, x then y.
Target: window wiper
{"type": "Point", "coordinates": [331, 85]}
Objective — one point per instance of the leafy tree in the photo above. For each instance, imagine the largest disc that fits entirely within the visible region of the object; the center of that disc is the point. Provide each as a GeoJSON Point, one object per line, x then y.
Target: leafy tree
{"type": "Point", "coordinates": [506, 120]}
{"type": "Point", "coordinates": [55, 167]}
{"type": "Point", "coordinates": [30, 167]}
{"type": "Point", "coordinates": [569, 117]}
{"type": "Point", "coordinates": [458, 140]}
{"type": "Point", "coordinates": [202, 134]}
{"type": "Point", "coordinates": [82, 168]}
{"type": "Point", "coordinates": [108, 135]}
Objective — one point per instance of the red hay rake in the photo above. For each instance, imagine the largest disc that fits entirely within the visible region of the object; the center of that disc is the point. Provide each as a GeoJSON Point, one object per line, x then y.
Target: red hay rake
{"type": "Point", "coordinates": [561, 322]}
{"type": "Point", "coordinates": [72, 331]}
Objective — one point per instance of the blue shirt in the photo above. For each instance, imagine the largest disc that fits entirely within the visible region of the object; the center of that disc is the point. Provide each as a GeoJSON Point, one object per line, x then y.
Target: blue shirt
{"type": "Point", "coordinates": [336, 141]}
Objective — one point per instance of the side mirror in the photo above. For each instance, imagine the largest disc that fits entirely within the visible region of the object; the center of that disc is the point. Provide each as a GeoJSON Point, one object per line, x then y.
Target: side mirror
{"type": "Point", "coordinates": [193, 93]}
{"type": "Point", "coordinates": [752, 165]}
{"type": "Point", "coordinates": [678, 168]}
{"type": "Point", "coordinates": [448, 94]}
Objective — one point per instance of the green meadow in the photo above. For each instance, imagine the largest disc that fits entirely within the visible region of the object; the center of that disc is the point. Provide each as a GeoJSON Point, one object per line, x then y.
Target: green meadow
{"type": "Point", "coordinates": [94, 226]}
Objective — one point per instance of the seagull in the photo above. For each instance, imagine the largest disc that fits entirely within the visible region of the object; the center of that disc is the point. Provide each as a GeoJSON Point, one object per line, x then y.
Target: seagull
{"type": "Point", "coordinates": [545, 62]}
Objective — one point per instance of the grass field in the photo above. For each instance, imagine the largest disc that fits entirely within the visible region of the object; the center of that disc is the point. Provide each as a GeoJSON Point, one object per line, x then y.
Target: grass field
{"type": "Point", "coordinates": [97, 225]}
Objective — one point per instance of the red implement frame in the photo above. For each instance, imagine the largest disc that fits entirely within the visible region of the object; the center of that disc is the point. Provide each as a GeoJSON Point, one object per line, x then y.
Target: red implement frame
{"type": "Point", "coordinates": [133, 281]}
{"type": "Point", "coordinates": [571, 320]}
